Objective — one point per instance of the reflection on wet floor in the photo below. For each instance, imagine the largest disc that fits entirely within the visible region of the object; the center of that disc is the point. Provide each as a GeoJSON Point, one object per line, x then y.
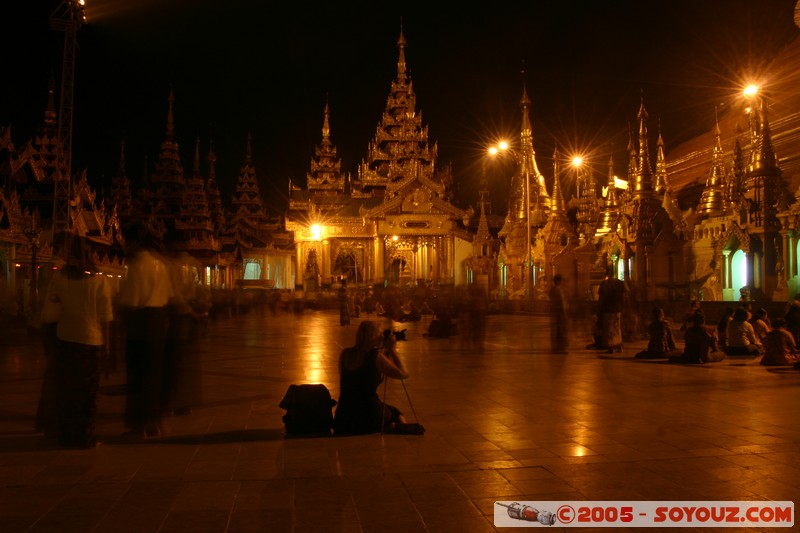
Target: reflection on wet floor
{"type": "Point", "coordinates": [505, 419]}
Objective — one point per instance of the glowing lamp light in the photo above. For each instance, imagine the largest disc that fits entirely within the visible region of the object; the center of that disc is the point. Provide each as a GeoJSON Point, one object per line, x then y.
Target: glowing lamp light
{"type": "Point", "coordinates": [620, 183]}
{"type": "Point", "coordinates": [577, 161]}
{"type": "Point", "coordinates": [750, 91]}
{"type": "Point", "coordinates": [316, 232]}
{"type": "Point", "coordinates": [502, 145]}
{"type": "Point", "coordinates": [395, 238]}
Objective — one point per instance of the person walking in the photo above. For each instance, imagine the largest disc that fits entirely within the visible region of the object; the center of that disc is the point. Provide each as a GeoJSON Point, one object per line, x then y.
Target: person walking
{"type": "Point", "coordinates": [611, 298]}
{"type": "Point", "coordinates": [558, 316]}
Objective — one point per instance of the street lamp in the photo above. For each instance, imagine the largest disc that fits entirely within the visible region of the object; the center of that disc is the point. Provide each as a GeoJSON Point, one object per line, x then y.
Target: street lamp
{"type": "Point", "coordinates": [499, 148]}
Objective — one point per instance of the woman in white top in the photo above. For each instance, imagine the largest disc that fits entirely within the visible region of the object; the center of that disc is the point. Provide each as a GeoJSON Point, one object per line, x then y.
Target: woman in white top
{"type": "Point", "coordinates": [740, 336]}
{"type": "Point", "coordinates": [82, 339]}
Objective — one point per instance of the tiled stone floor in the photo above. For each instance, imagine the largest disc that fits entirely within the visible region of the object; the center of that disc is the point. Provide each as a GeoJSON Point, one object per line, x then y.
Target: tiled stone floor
{"type": "Point", "coordinates": [506, 421]}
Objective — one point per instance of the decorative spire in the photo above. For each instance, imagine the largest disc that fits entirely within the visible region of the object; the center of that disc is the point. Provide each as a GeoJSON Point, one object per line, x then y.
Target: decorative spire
{"type": "Point", "coordinates": [661, 181]}
{"type": "Point", "coordinates": [557, 206]}
{"type": "Point", "coordinates": [644, 178]}
{"type": "Point", "coordinates": [401, 61]}
{"type": "Point", "coordinates": [608, 219]}
{"type": "Point", "coordinates": [540, 199]}
{"type": "Point", "coordinates": [212, 161]}
{"type": "Point", "coordinates": [196, 170]}
{"type": "Point", "coordinates": [170, 118]}
{"type": "Point", "coordinates": [712, 202]}
{"type": "Point", "coordinates": [764, 159]}
{"type": "Point", "coordinates": [326, 128]}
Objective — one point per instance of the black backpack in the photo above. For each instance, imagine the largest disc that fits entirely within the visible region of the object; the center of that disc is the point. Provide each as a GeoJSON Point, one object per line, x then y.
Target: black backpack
{"type": "Point", "coordinates": [308, 410]}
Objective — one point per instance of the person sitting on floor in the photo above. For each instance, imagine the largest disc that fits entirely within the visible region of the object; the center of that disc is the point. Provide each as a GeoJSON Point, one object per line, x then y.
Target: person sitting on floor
{"type": "Point", "coordinates": [362, 368]}
{"type": "Point", "coordinates": [701, 344]}
{"type": "Point", "coordinates": [779, 346]}
{"type": "Point", "coordinates": [662, 341]}
{"type": "Point", "coordinates": [760, 324]}
{"type": "Point", "coordinates": [740, 335]}
{"type": "Point", "coordinates": [722, 327]}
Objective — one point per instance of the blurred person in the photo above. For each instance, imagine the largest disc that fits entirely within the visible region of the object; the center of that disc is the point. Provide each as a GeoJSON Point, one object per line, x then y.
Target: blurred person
{"type": "Point", "coordinates": [82, 334]}
{"type": "Point", "coordinates": [558, 316]}
{"type": "Point", "coordinates": [144, 295]}
{"type": "Point", "coordinates": [611, 299]}
{"type": "Point", "coordinates": [47, 409]}
{"type": "Point", "coordinates": [694, 308]}
{"type": "Point", "coordinates": [792, 318]}
{"type": "Point", "coordinates": [182, 382]}
{"type": "Point", "coordinates": [779, 346]}
{"type": "Point", "coordinates": [362, 368]}
{"type": "Point", "coordinates": [740, 336]}
{"type": "Point", "coordinates": [344, 304]}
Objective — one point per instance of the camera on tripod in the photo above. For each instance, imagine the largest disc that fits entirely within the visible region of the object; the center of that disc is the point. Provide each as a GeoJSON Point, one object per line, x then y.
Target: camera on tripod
{"type": "Point", "coordinates": [398, 335]}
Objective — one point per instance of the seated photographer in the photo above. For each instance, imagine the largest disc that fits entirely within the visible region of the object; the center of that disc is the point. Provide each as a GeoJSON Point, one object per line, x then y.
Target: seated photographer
{"type": "Point", "coordinates": [701, 344]}
{"type": "Point", "coordinates": [362, 368]}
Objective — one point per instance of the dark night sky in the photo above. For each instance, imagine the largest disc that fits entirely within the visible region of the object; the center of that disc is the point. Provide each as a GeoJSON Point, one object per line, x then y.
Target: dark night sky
{"type": "Point", "coordinates": [237, 66]}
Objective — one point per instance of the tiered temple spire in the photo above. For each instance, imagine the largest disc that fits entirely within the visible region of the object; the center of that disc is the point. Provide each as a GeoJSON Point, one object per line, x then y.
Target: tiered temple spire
{"type": "Point", "coordinates": [713, 202]}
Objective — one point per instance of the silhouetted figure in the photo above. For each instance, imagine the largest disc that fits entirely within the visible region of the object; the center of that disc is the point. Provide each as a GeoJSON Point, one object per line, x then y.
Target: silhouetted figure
{"type": "Point", "coordinates": [558, 316]}
{"type": "Point", "coordinates": [362, 368]}
{"type": "Point", "coordinates": [793, 320]}
{"type": "Point", "coordinates": [779, 346]}
{"type": "Point", "coordinates": [144, 296]}
{"type": "Point", "coordinates": [182, 384]}
{"type": "Point", "coordinates": [722, 327]}
{"type": "Point", "coordinates": [611, 298]}
{"type": "Point", "coordinates": [700, 344]}
{"type": "Point", "coordinates": [344, 305]}
{"type": "Point", "coordinates": [760, 323]}
{"type": "Point", "coordinates": [82, 340]}
{"type": "Point", "coordinates": [662, 342]}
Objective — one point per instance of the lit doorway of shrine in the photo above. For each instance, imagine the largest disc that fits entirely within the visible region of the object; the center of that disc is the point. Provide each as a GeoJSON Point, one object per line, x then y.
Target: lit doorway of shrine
{"type": "Point", "coordinates": [346, 267]}
{"type": "Point", "coordinates": [396, 269]}
{"type": "Point", "coordinates": [738, 272]}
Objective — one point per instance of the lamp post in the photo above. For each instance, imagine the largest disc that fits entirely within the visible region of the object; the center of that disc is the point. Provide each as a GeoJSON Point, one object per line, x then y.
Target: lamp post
{"type": "Point", "coordinates": [504, 147]}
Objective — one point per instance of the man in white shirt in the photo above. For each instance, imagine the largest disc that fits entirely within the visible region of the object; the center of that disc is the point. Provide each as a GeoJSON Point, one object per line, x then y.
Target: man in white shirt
{"type": "Point", "coordinates": [143, 297]}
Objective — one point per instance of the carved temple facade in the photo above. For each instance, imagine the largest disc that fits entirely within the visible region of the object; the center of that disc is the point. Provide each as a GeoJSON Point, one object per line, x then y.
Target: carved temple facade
{"type": "Point", "coordinates": [719, 219]}
{"type": "Point", "coordinates": [394, 222]}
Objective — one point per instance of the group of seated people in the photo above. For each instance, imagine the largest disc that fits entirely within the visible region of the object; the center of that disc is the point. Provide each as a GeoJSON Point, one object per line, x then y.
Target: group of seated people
{"type": "Point", "coordinates": [738, 334]}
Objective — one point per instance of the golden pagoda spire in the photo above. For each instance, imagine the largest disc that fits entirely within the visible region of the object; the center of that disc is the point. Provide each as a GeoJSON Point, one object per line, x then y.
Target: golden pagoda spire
{"type": "Point", "coordinates": [764, 159]}
{"type": "Point", "coordinates": [712, 201]}
{"type": "Point", "coordinates": [643, 185]}
{"type": "Point", "coordinates": [212, 162]}
{"type": "Point", "coordinates": [608, 219]}
{"type": "Point", "coordinates": [326, 128]}
{"type": "Point", "coordinates": [540, 199]}
{"type": "Point", "coordinates": [557, 206]}
{"type": "Point", "coordinates": [661, 181]}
